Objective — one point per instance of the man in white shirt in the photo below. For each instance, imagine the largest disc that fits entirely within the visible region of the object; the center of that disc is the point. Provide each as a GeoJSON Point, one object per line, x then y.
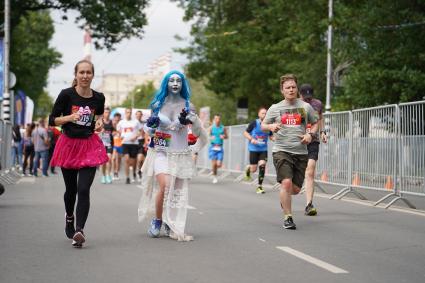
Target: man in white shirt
{"type": "Point", "coordinates": [129, 130]}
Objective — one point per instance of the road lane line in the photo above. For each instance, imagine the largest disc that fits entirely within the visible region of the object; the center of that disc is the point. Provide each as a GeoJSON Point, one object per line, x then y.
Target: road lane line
{"type": "Point", "coordinates": [313, 260]}
{"type": "Point", "coordinates": [262, 240]}
{"type": "Point", "coordinates": [190, 207]}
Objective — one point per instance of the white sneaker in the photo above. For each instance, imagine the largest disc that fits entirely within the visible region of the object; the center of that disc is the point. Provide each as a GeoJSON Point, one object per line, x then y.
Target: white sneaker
{"type": "Point", "coordinates": [215, 181]}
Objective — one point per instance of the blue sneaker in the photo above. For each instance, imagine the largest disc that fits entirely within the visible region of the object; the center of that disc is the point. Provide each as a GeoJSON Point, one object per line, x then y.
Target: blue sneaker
{"type": "Point", "coordinates": [167, 230]}
{"type": "Point", "coordinates": [103, 180]}
{"type": "Point", "coordinates": [155, 228]}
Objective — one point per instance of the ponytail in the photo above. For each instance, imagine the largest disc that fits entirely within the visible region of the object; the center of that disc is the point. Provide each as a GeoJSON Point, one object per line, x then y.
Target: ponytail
{"type": "Point", "coordinates": [74, 82]}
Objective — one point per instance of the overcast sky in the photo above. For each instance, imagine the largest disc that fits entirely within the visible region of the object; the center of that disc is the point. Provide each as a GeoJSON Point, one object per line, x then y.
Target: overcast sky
{"type": "Point", "coordinates": [131, 56]}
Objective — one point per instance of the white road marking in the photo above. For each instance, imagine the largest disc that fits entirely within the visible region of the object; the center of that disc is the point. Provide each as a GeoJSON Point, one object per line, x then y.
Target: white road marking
{"type": "Point", "coordinates": [262, 240]}
{"type": "Point", "coordinates": [26, 180]}
{"type": "Point", "coordinates": [190, 207]}
{"type": "Point", "coordinates": [201, 213]}
{"type": "Point", "coordinates": [327, 266]}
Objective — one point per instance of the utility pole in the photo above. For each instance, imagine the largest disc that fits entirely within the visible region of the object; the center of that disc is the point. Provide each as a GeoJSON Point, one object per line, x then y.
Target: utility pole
{"type": "Point", "coordinates": [5, 115]}
{"type": "Point", "coordinates": [329, 63]}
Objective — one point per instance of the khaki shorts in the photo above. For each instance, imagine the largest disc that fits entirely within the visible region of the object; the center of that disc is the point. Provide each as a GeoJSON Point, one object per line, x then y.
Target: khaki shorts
{"type": "Point", "coordinates": [290, 166]}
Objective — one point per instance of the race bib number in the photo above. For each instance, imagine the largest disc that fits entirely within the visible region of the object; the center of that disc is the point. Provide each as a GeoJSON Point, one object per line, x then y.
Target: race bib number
{"type": "Point", "coordinates": [260, 139]}
{"type": "Point", "coordinates": [216, 147]}
{"type": "Point", "coordinates": [161, 140]}
{"type": "Point", "coordinates": [86, 115]}
{"type": "Point", "coordinates": [291, 119]}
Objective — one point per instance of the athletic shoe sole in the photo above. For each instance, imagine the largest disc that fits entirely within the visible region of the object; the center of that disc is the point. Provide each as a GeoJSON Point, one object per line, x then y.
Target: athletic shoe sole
{"type": "Point", "coordinates": [292, 227]}
{"type": "Point", "coordinates": [311, 212]}
{"type": "Point", "coordinates": [78, 240]}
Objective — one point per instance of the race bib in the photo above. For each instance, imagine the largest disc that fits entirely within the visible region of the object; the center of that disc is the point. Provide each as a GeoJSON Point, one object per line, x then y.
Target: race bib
{"type": "Point", "coordinates": [86, 115]}
{"type": "Point", "coordinates": [161, 140]}
{"type": "Point", "coordinates": [260, 139]}
{"type": "Point", "coordinates": [291, 119]}
{"type": "Point", "coordinates": [216, 147]}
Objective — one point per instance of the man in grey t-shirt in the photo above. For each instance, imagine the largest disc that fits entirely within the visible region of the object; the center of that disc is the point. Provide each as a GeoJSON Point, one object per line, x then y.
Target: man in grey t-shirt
{"type": "Point", "coordinates": [288, 120]}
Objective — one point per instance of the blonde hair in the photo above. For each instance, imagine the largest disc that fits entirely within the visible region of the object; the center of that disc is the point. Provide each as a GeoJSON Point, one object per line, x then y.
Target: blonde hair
{"type": "Point", "coordinates": [74, 82]}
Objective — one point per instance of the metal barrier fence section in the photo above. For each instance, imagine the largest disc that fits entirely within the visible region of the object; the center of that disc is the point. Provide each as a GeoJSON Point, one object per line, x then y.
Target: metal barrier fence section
{"type": "Point", "coordinates": [412, 148]}
{"type": "Point", "coordinates": [374, 156]}
{"type": "Point", "coordinates": [379, 148]}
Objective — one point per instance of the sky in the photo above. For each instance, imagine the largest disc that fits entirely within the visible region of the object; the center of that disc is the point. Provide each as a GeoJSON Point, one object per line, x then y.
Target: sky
{"type": "Point", "coordinates": [130, 57]}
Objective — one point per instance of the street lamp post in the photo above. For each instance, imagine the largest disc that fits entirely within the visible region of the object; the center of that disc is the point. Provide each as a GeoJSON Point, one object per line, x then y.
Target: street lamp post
{"type": "Point", "coordinates": [329, 61]}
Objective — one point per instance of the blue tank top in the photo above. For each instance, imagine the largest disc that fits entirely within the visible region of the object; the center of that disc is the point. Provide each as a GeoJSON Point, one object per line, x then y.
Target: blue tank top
{"type": "Point", "coordinates": [261, 138]}
{"type": "Point", "coordinates": [216, 132]}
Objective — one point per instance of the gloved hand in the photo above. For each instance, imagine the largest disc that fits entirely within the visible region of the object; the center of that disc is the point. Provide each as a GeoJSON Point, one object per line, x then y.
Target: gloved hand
{"type": "Point", "coordinates": [183, 117]}
{"type": "Point", "coordinates": [153, 122]}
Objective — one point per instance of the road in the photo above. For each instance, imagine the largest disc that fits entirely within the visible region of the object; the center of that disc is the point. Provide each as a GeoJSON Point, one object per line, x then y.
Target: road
{"type": "Point", "coordinates": [238, 238]}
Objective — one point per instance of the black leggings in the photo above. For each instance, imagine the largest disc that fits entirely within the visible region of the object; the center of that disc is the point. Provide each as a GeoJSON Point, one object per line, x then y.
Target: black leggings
{"type": "Point", "coordinates": [28, 153]}
{"type": "Point", "coordinates": [78, 181]}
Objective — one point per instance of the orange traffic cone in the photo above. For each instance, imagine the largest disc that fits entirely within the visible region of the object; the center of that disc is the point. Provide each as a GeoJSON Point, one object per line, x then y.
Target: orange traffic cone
{"type": "Point", "coordinates": [389, 185]}
{"type": "Point", "coordinates": [356, 180]}
{"type": "Point", "coordinates": [324, 177]}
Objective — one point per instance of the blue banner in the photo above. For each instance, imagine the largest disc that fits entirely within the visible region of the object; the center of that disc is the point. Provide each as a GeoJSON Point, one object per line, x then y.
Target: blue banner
{"type": "Point", "coordinates": [1, 69]}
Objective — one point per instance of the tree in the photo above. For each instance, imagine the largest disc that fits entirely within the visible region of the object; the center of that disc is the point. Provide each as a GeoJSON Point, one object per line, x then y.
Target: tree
{"type": "Point", "coordinates": [142, 95]}
{"type": "Point", "coordinates": [111, 21]}
{"type": "Point", "coordinates": [241, 48]}
{"type": "Point", "coordinates": [31, 57]}
{"type": "Point", "coordinates": [44, 105]}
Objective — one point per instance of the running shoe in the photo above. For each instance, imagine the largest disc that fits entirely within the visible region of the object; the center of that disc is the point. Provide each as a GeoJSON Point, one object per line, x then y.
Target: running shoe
{"type": "Point", "coordinates": [289, 223]}
{"type": "Point", "coordinates": [260, 190]}
{"type": "Point", "coordinates": [78, 239]}
{"type": "Point", "coordinates": [103, 180]}
{"type": "Point", "coordinates": [69, 226]}
{"type": "Point", "coordinates": [215, 180]}
{"type": "Point", "coordinates": [116, 177]}
{"type": "Point", "coordinates": [108, 179]}
{"type": "Point", "coordinates": [247, 175]}
{"type": "Point", "coordinates": [155, 228]}
{"type": "Point", "coordinates": [127, 181]}
{"type": "Point", "coordinates": [167, 229]}
{"type": "Point", "coordinates": [310, 210]}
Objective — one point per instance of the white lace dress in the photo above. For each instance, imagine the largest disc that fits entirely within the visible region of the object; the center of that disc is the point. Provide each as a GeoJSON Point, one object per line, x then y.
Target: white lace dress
{"type": "Point", "coordinates": [180, 167]}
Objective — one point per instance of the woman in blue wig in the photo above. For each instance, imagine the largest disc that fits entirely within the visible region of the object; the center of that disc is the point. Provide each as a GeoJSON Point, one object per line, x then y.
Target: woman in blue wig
{"type": "Point", "coordinates": [168, 166]}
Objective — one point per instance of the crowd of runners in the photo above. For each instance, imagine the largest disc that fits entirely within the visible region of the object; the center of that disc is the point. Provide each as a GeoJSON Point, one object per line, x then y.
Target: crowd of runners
{"type": "Point", "coordinates": [159, 152]}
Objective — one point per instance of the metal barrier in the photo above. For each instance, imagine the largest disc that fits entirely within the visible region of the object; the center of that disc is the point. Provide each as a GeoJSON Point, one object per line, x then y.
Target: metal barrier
{"type": "Point", "coordinates": [380, 149]}
{"type": "Point", "coordinates": [8, 173]}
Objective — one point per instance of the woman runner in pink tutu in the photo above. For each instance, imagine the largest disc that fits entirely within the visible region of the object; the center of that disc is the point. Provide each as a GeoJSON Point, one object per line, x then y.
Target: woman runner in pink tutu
{"type": "Point", "coordinates": [78, 151]}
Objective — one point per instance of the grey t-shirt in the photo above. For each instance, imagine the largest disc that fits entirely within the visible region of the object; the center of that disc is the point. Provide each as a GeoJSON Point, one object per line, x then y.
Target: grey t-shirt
{"type": "Point", "coordinates": [39, 135]}
{"type": "Point", "coordinates": [293, 118]}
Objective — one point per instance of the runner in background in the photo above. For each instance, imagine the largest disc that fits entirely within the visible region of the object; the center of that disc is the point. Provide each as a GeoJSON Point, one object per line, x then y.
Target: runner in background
{"type": "Point", "coordinates": [257, 149]}
{"type": "Point", "coordinates": [117, 148]}
{"type": "Point", "coordinates": [107, 140]}
{"type": "Point", "coordinates": [142, 148]}
{"type": "Point", "coordinates": [217, 134]}
{"type": "Point", "coordinates": [306, 91]}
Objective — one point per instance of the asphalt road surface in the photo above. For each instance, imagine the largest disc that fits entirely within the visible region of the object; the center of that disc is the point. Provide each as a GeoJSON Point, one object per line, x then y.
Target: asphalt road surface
{"type": "Point", "coordinates": [238, 238]}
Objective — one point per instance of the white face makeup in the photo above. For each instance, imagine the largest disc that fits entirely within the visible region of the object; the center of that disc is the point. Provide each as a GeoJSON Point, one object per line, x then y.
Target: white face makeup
{"type": "Point", "coordinates": [174, 84]}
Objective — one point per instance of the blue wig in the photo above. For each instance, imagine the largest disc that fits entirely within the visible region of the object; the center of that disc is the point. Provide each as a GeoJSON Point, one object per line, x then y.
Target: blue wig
{"type": "Point", "coordinates": [162, 93]}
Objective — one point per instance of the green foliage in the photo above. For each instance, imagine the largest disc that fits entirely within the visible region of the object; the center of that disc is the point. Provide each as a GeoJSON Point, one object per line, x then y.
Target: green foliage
{"type": "Point", "coordinates": [142, 95]}
{"type": "Point", "coordinates": [43, 105]}
{"type": "Point", "coordinates": [110, 20]}
{"type": "Point", "coordinates": [30, 54]}
{"type": "Point", "coordinates": [241, 48]}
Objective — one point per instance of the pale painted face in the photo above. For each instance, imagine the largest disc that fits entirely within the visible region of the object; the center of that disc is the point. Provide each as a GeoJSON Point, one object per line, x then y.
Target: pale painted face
{"type": "Point", "coordinates": [174, 84]}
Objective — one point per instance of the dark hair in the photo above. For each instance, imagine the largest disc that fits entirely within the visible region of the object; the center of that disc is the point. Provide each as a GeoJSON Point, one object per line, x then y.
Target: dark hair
{"type": "Point", "coordinates": [139, 111]}
{"type": "Point", "coordinates": [261, 108]}
{"type": "Point", "coordinates": [217, 115]}
{"type": "Point", "coordinates": [74, 82]}
{"type": "Point", "coordinates": [117, 114]}
{"type": "Point", "coordinates": [107, 109]}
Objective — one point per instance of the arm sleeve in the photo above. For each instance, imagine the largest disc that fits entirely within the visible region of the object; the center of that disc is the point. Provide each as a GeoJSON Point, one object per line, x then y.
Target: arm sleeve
{"type": "Point", "coordinates": [101, 106]}
{"type": "Point", "coordinates": [198, 131]}
{"type": "Point", "coordinates": [270, 116]}
{"type": "Point", "coordinates": [251, 127]}
{"type": "Point", "coordinates": [58, 108]}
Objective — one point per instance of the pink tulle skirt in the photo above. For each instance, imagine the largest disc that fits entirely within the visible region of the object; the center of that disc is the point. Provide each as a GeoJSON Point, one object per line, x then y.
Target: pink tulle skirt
{"type": "Point", "coordinates": [74, 153]}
